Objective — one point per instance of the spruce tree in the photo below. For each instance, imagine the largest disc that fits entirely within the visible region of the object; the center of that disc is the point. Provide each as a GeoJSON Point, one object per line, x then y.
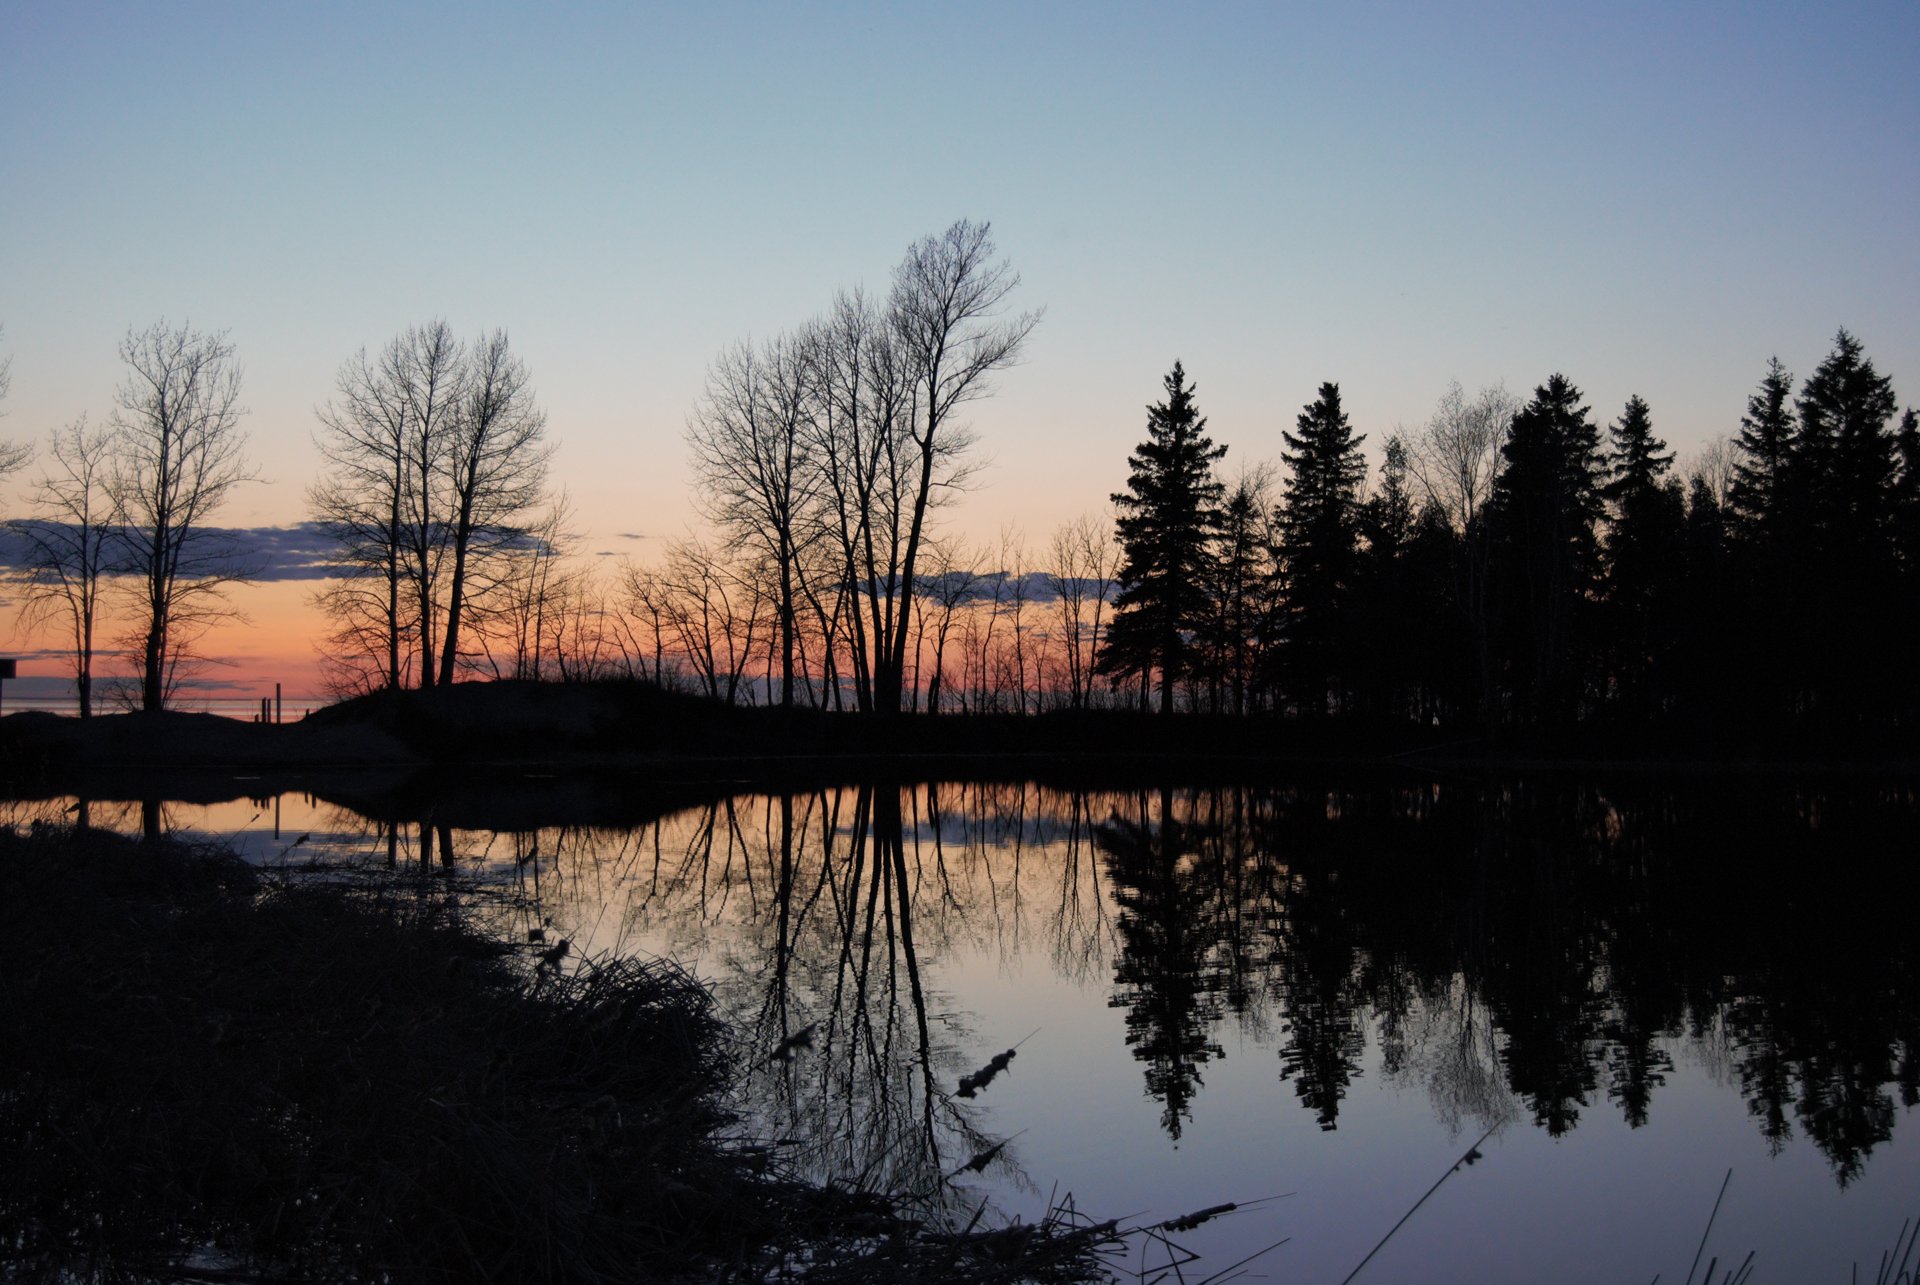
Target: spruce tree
{"type": "Point", "coordinates": [1710, 655]}
{"type": "Point", "coordinates": [1845, 451]}
{"type": "Point", "coordinates": [1840, 616]}
{"type": "Point", "coordinates": [1906, 498]}
{"type": "Point", "coordinates": [1240, 593]}
{"type": "Point", "coordinates": [1387, 593]}
{"type": "Point", "coordinates": [1644, 535]}
{"type": "Point", "coordinates": [1765, 444]}
{"type": "Point", "coordinates": [1320, 539]}
{"type": "Point", "coordinates": [1637, 460]}
{"type": "Point", "coordinates": [1546, 503]}
{"type": "Point", "coordinates": [1167, 516]}
{"type": "Point", "coordinates": [1906, 550]}
{"type": "Point", "coordinates": [1766, 516]}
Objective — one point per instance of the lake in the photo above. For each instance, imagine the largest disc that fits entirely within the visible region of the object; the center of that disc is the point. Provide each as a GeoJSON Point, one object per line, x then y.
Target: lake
{"type": "Point", "coordinates": [1581, 1001]}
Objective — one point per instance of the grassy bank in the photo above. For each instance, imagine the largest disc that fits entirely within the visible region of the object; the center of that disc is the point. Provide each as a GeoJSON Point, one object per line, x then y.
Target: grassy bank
{"type": "Point", "coordinates": [210, 1074]}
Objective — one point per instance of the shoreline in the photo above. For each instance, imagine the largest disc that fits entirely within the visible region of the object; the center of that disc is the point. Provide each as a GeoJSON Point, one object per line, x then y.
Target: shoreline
{"type": "Point", "coordinates": [505, 731]}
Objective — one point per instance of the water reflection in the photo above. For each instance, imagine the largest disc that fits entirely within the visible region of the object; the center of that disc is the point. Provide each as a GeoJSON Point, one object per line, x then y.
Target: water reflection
{"type": "Point", "coordinates": [1534, 950]}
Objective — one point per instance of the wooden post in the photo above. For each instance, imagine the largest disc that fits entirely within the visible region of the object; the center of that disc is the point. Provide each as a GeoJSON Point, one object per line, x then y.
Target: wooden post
{"type": "Point", "coordinates": [6, 672]}
{"type": "Point", "coordinates": [276, 702]}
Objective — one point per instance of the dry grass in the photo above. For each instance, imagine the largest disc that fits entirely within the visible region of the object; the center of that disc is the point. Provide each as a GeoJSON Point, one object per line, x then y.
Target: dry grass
{"type": "Point", "coordinates": [208, 1073]}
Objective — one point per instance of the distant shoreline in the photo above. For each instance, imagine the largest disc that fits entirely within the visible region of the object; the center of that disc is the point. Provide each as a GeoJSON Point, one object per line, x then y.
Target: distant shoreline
{"type": "Point", "coordinates": [516, 730]}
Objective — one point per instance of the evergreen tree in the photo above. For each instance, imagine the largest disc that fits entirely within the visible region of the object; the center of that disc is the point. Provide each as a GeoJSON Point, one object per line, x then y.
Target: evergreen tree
{"type": "Point", "coordinates": [1643, 548]}
{"type": "Point", "coordinates": [1709, 654]}
{"type": "Point", "coordinates": [1167, 517]}
{"type": "Point", "coordinates": [1906, 550]}
{"type": "Point", "coordinates": [1546, 503]}
{"type": "Point", "coordinates": [1845, 452]}
{"type": "Point", "coordinates": [1764, 445]}
{"type": "Point", "coordinates": [1387, 596]}
{"type": "Point", "coordinates": [1320, 538]}
{"type": "Point", "coordinates": [1906, 499]}
{"type": "Point", "coordinates": [1842, 618]}
{"type": "Point", "coordinates": [1241, 592]}
{"type": "Point", "coordinates": [1767, 513]}
{"type": "Point", "coordinates": [1637, 461]}
{"type": "Point", "coordinates": [1388, 520]}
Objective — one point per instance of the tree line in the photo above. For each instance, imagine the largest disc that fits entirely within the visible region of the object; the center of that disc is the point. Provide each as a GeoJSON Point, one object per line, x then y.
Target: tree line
{"type": "Point", "coordinates": [1519, 564]}
{"type": "Point", "coordinates": [1510, 563]}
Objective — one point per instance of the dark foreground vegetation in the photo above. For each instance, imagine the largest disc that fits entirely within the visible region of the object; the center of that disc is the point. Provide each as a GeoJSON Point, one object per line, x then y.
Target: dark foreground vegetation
{"type": "Point", "coordinates": [209, 1073]}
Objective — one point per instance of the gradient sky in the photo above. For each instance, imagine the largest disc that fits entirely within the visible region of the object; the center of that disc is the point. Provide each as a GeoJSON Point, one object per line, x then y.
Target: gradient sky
{"type": "Point", "coordinates": [1654, 199]}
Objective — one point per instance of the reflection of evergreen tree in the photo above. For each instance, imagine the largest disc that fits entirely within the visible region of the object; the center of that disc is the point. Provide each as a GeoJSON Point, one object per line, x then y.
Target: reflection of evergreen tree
{"type": "Point", "coordinates": [1844, 1109]}
{"type": "Point", "coordinates": [1636, 1066]}
{"type": "Point", "coordinates": [1317, 980]}
{"type": "Point", "coordinates": [1764, 1071]}
{"type": "Point", "coordinates": [1545, 976]}
{"type": "Point", "coordinates": [1644, 954]}
{"type": "Point", "coordinates": [1163, 976]}
{"type": "Point", "coordinates": [1551, 1053]}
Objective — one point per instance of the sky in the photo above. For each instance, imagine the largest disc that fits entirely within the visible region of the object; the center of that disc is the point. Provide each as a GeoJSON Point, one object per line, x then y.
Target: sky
{"type": "Point", "coordinates": [1653, 199]}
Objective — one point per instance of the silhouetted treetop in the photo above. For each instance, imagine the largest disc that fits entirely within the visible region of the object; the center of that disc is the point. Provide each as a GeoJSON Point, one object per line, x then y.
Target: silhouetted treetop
{"type": "Point", "coordinates": [1166, 519]}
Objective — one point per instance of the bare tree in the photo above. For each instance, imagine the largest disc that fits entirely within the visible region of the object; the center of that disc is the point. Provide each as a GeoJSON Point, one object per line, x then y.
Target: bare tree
{"type": "Point", "coordinates": [752, 457]}
{"type": "Point", "coordinates": [436, 453]}
{"type": "Point", "coordinates": [644, 601]}
{"type": "Point", "coordinates": [859, 447]}
{"type": "Point", "coordinates": [1013, 605]}
{"type": "Point", "coordinates": [955, 580]}
{"type": "Point", "coordinates": [362, 501]}
{"type": "Point", "coordinates": [1456, 455]}
{"type": "Point", "coordinates": [827, 452]}
{"type": "Point", "coordinates": [517, 621]}
{"type": "Point", "coordinates": [714, 613]}
{"type": "Point", "coordinates": [496, 471]}
{"type": "Point", "coordinates": [1455, 459]}
{"type": "Point", "coordinates": [69, 542]}
{"type": "Point", "coordinates": [947, 295]}
{"type": "Point", "coordinates": [178, 454]}
{"type": "Point", "coordinates": [1713, 466]}
{"type": "Point", "coordinates": [1082, 562]}
{"type": "Point", "coordinates": [430, 377]}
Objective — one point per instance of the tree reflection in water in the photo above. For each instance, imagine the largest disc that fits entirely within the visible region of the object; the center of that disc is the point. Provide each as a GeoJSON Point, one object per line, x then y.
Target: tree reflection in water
{"type": "Point", "coordinates": [813, 914]}
{"type": "Point", "coordinates": [1535, 949]}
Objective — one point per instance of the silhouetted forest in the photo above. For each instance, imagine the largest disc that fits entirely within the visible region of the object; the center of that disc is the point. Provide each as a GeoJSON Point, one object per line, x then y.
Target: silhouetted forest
{"type": "Point", "coordinates": [1521, 565]}
{"type": "Point", "coordinates": [1516, 566]}
{"type": "Point", "coordinates": [1512, 565]}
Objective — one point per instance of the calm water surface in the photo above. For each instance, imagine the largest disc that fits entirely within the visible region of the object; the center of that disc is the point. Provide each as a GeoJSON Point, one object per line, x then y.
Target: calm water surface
{"type": "Point", "coordinates": [1312, 997]}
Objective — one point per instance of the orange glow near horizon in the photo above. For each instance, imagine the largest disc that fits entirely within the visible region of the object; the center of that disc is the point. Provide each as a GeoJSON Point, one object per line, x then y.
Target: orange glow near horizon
{"type": "Point", "coordinates": [275, 641]}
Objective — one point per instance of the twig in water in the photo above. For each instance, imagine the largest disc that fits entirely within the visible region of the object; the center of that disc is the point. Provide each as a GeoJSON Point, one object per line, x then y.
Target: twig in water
{"type": "Point", "coordinates": [1473, 1151]}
